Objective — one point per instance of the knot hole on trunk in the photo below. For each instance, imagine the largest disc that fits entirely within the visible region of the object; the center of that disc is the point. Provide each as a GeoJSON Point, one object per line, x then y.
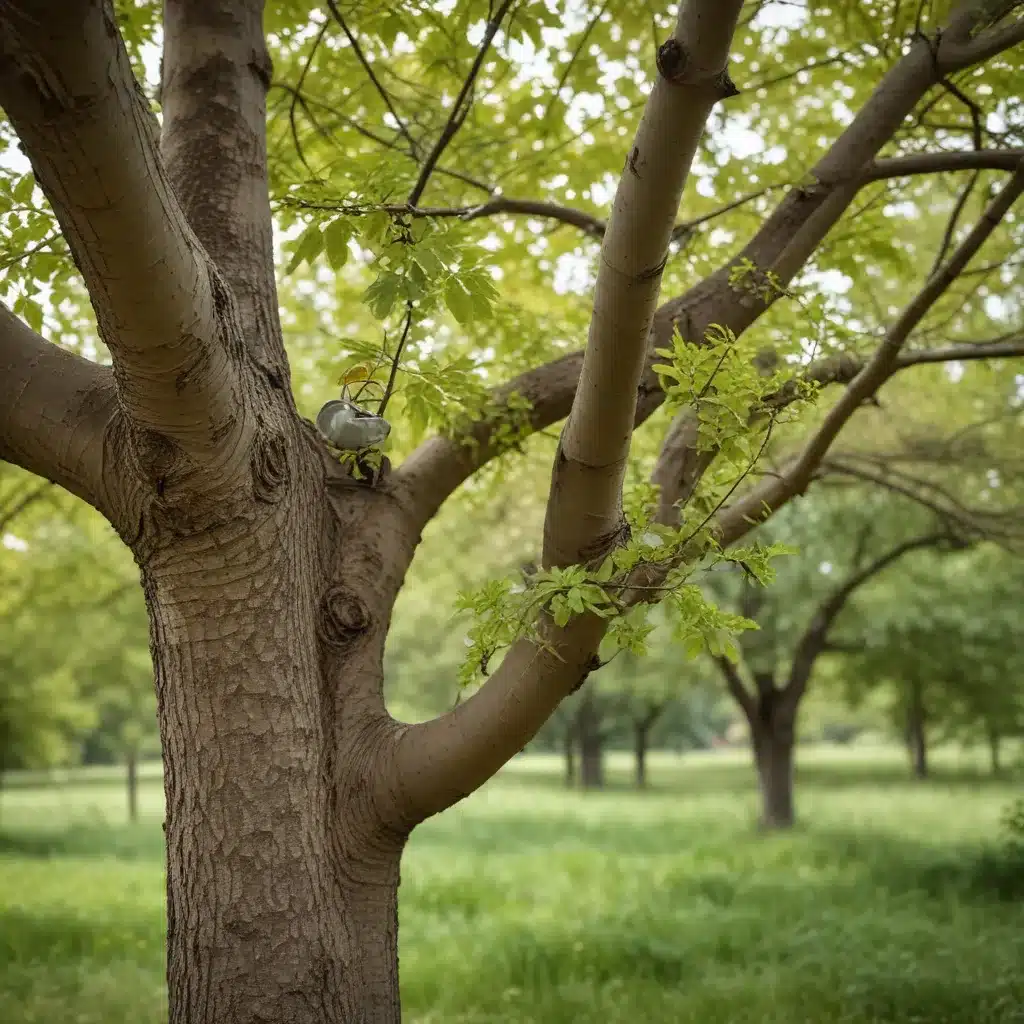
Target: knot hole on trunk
{"type": "Point", "coordinates": [269, 464]}
{"type": "Point", "coordinates": [343, 617]}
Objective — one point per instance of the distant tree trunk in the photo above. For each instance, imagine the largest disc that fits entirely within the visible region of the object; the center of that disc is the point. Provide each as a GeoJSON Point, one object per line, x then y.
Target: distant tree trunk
{"type": "Point", "coordinates": [772, 718]}
{"type": "Point", "coordinates": [641, 736]}
{"type": "Point", "coordinates": [569, 747]}
{"type": "Point", "coordinates": [132, 764]}
{"type": "Point", "coordinates": [588, 724]}
{"type": "Point", "coordinates": [640, 748]}
{"type": "Point", "coordinates": [917, 740]}
{"type": "Point", "coordinates": [995, 749]}
{"type": "Point", "coordinates": [773, 742]}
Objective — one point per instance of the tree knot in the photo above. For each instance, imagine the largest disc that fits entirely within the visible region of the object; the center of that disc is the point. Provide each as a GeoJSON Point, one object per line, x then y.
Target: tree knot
{"type": "Point", "coordinates": [672, 61]}
{"type": "Point", "coordinates": [343, 617]}
{"type": "Point", "coordinates": [269, 466]}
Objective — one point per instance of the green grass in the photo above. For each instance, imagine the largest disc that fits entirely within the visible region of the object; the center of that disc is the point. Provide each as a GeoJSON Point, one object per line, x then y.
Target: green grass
{"type": "Point", "coordinates": [891, 903]}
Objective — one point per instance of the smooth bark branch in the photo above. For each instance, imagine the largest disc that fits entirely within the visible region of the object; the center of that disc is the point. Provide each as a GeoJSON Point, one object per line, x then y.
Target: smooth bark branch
{"type": "Point", "coordinates": [584, 507]}
{"type": "Point", "coordinates": [216, 73]}
{"type": "Point", "coordinates": [443, 760]}
{"type": "Point", "coordinates": [813, 641]}
{"type": "Point", "coordinates": [736, 520]}
{"type": "Point", "coordinates": [54, 410]}
{"type": "Point", "coordinates": [67, 86]}
{"type": "Point", "coordinates": [782, 245]}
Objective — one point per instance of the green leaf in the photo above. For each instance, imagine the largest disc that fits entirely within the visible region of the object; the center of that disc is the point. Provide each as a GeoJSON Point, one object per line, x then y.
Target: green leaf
{"type": "Point", "coordinates": [336, 238]}
{"type": "Point", "coordinates": [459, 301]}
{"type": "Point", "coordinates": [308, 247]}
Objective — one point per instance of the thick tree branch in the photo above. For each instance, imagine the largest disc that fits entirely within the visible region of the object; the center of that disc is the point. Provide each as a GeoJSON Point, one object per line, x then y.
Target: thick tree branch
{"type": "Point", "coordinates": [680, 466]}
{"type": "Point", "coordinates": [782, 245]}
{"type": "Point", "coordinates": [55, 409]}
{"type": "Point", "coordinates": [67, 86]}
{"type": "Point", "coordinates": [813, 641]}
{"type": "Point", "coordinates": [737, 688]}
{"type": "Point", "coordinates": [440, 761]}
{"type": "Point", "coordinates": [939, 163]}
{"type": "Point", "coordinates": [216, 72]}
{"type": "Point", "coordinates": [584, 507]}
{"type": "Point", "coordinates": [734, 521]}
{"type": "Point", "coordinates": [965, 352]}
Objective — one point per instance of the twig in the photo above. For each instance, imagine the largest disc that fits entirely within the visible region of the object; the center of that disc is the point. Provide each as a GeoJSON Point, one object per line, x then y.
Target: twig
{"type": "Point", "coordinates": [395, 361]}
{"type": "Point", "coordinates": [458, 114]}
{"type": "Point", "coordinates": [297, 96]}
{"type": "Point", "coordinates": [384, 95]}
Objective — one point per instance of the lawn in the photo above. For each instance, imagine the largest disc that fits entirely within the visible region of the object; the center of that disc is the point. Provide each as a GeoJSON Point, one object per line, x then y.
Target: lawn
{"type": "Point", "coordinates": [530, 904]}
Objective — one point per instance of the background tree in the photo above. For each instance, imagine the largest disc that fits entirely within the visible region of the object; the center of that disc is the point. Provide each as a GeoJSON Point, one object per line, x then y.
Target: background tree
{"type": "Point", "coordinates": [270, 563]}
{"type": "Point", "coordinates": [938, 649]}
{"type": "Point", "coordinates": [797, 621]}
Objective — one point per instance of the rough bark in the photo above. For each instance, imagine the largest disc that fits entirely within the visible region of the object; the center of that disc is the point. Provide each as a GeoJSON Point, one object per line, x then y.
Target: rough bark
{"type": "Point", "coordinates": [269, 574]}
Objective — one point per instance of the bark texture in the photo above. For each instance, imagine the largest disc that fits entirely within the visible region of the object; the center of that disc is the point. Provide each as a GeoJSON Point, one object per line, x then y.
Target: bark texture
{"type": "Point", "coordinates": [269, 573]}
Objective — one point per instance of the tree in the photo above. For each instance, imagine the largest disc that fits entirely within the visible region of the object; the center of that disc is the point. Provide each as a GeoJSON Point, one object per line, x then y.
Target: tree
{"type": "Point", "coordinates": [270, 563]}
{"type": "Point", "coordinates": [769, 679]}
{"type": "Point", "coordinates": [940, 648]}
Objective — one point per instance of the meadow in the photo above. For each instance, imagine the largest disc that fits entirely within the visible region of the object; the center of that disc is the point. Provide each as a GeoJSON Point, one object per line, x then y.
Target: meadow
{"type": "Point", "coordinates": [894, 901]}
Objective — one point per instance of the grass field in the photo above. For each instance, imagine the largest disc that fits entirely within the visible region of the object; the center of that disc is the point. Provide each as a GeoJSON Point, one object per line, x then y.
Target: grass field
{"type": "Point", "coordinates": [891, 903]}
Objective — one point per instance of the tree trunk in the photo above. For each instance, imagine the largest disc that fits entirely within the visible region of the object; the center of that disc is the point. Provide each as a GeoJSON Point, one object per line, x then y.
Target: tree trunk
{"type": "Point", "coordinates": [132, 766]}
{"type": "Point", "coordinates": [917, 739]}
{"type": "Point", "coordinates": [569, 741]}
{"type": "Point", "coordinates": [773, 737]}
{"type": "Point", "coordinates": [591, 742]}
{"type": "Point", "coordinates": [282, 874]}
{"type": "Point", "coordinates": [995, 750]}
{"type": "Point", "coordinates": [640, 732]}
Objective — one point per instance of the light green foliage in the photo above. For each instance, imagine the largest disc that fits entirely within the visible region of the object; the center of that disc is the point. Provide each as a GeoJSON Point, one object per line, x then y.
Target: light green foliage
{"type": "Point", "coordinates": [508, 609]}
{"type": "Point", "coordinates": [62, 634]}
{"type": "Point", "coordinates": [666, 908]}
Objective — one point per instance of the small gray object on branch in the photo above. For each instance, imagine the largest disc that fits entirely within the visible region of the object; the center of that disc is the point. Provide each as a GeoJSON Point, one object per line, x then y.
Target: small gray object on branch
{"type": "Point", "coordinates": [350, 428]}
